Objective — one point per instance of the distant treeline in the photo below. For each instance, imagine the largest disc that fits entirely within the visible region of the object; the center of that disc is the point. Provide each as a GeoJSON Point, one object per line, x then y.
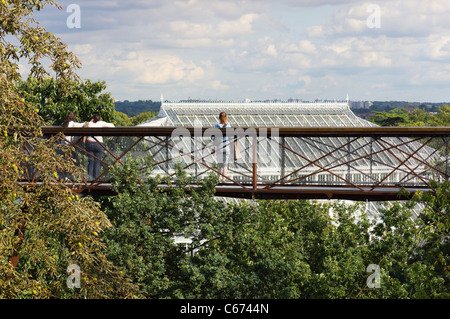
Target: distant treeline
{"type": "Point", "coordinates": [379, 106]}
{"type": "Point", "coordinates": [134, 108]}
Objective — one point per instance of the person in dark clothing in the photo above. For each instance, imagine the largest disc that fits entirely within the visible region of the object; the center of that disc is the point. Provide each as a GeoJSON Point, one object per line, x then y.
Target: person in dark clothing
{"type": "Point", "coordinates": [94, 145]}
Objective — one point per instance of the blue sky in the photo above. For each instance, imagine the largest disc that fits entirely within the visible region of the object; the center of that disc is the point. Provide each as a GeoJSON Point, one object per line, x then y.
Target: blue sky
{"type": "Point", "coordinates": [261, 49]}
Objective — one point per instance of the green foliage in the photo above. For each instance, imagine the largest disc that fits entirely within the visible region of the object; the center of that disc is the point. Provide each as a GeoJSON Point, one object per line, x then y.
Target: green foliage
{"type": "Point", "coordinates": [145, 218]}
{"type": "Point", "coordinates": [435, 229]}
{"type": "Point", "coordinates": [55, 98]}
{"type": "Point", "coordinates": [378, 106]}
{"type": "Point", "coordinates": [269, 249]}
{"type": "Point", "coordinates": [134, 108]}
{"type": "Point", "coordinates": [121, 119]}
{"type": "Point", "coordinates": [418, 117]}
{"type": "Point", "coordinates": [142, 117]}
{"type": "Point", "coordinates": [44, 227]}
{"type": "Point", "coordinates": [392, 118]}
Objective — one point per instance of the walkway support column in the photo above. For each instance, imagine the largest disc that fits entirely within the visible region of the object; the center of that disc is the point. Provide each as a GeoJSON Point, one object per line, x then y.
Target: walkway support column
{"type": "Point", "coordinates": [255, 158]}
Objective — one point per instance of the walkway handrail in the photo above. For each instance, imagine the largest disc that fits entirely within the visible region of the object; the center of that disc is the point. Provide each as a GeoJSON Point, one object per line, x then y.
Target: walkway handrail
{"type": "Point", "coordinates": [418, 131]}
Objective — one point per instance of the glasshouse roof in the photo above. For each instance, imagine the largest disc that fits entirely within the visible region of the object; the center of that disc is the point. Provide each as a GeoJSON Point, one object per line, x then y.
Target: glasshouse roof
{"type": "Point", "coordinates": [258, 114]}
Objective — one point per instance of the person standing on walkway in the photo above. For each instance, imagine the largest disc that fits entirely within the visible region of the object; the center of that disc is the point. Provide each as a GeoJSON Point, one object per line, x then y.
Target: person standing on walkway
{"type": "Point", "coordinates": [94, 145]}
{"type": "Point", "coordinates": [69, 140]}
{"type": "Point", "coordinates": [71, 121]}
{"type": "Point", "coordinates": [223, 149]}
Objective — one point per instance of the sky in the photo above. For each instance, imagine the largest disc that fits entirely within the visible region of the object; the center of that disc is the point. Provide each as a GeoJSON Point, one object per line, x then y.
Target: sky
{"type": "Point", "coordinates": [260, 49]}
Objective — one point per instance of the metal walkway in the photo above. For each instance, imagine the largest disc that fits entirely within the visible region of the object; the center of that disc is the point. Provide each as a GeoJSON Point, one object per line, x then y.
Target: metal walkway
{"type": "Point", "coordinates": [366, 163]}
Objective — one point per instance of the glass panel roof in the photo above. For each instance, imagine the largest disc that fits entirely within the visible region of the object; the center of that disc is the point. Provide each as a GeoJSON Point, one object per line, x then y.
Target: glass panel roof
{"type": "Point", "coordinates": [248, 114]}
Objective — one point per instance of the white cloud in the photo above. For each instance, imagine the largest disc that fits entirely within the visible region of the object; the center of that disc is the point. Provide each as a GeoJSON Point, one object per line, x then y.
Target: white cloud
{"type": "Point", "coordinates": [190, 34]}
{"type": "Point", "coordinates": [398, 18]}
{"type": "Point", "coordinates": [232, 48]}
{"type": "Point", "coordinates": [218, 85]}
{"type": "Point", "coordinates": [439, 47]}
{"type": "Point", "coordinates": [307, 46]}
{"type": "Point", "coordinates": [82, 49]}
{"type": "Point", "coordinates": [241, 26]}
{"type": "Point", "coordinates": [139, 67]}
{"type": "Point", "coordinates": [271, 50]}
{"type": "Point", "coordinates": [163, 69]}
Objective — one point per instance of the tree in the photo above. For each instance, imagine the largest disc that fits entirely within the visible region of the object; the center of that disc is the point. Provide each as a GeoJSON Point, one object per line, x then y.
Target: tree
{"type": "Point", "coordinates": [121, 119]}
{"type": "Point", "coordinates": [54, 98]}
{"type": "Point", "coordinates": [270, 249]}
{"type": "Point", "coordinates": [44, 227]}
{"type": "Point", "coordinates": [418, 117]}
{"type": "Point", "coordinates": [443, 116]}
{"type": "Point", "coordinates": [134, 108]}
{"type": "Point", "coordinates": [142, 117]}
{"type": "Point", "coordinates": [146, 219]}
{"type": "Point", "coordinates": [435, 231]}
{"type": "Point", "coordinates": [391, 118]}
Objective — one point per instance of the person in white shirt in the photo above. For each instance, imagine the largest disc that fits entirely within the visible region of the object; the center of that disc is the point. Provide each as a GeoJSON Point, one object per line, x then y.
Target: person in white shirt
{"type": "Point", "coordinates": [69, 140]}
{"type": "Point", "coordinates": [223, 152]}
{"type": "Point", "coordinates": [71, 121]}
{"type": "Point", "coordinates": [94, 145]}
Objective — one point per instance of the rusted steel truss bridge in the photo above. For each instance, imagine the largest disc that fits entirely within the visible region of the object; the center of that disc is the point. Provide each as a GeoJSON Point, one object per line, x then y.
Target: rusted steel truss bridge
{"type": "Point", "coordinates": [366, 163]}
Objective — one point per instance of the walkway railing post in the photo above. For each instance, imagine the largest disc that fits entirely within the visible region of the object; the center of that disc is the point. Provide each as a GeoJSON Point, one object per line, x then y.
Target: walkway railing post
{"type": "Point", "coordinates": [283, 155]}
{"type": "Point", "coordinates": [446, 159]}
{"type": "Point", "coordinates": [167, 154]}
{"type": "Point", "coordinates": [371, 160]}
{"type": "Point", "coordinates": [349, 158]}
{"type": "Point", "coordinates": [255, 158]}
